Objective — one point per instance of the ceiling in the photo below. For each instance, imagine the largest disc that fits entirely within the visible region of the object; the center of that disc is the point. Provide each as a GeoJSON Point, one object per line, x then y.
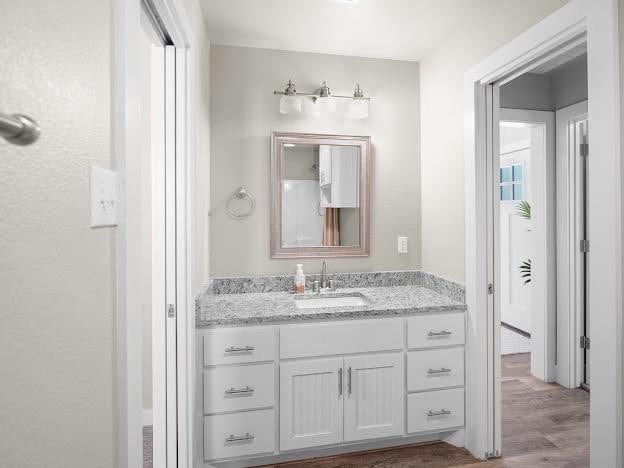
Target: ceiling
{"type": "Point", "coordinates": [393, 29]}
{"type": "Point", "coordinates": [561, 59]}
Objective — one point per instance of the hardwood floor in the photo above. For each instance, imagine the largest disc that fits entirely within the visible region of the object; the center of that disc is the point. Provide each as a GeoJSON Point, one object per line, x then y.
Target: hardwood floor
{"type": "Point", "coordinates": [544, 426]}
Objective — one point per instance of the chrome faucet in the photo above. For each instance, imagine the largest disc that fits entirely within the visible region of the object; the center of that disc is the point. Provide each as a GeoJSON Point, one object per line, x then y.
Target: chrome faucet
{"type": "Point", "coordinates": [324, 275]}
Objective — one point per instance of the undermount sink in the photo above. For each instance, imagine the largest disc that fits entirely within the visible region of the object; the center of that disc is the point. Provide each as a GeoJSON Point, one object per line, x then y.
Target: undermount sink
{"type": "Point", "coordinates": [322, 302]}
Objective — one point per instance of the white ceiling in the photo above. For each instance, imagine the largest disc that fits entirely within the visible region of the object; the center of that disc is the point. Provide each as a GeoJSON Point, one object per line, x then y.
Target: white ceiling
{"type": "Point", "coordinates": [395, 29]}
{"type": "Point", "coordinates": [561, 59]}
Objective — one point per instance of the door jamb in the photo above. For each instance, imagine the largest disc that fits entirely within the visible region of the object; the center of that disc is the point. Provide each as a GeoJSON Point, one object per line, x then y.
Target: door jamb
{"type": "Point", "coordinates": [598, 19]}
{"type": "Point", "coordinates": [125, 124]}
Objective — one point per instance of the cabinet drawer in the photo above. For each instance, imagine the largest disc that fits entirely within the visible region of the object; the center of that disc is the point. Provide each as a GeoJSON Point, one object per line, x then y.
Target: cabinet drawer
{"type": "Point", "coordinates": [438, 410]}
{"type": "Point", "coordinates": [429, 331]}
{"type": "Point", "coordinates": [435, 368]}
{"type": "Point", "coordinates": [238, 388]}
{"type": "Point", "coordinates": [238, 434]}
{"type": "Point", "coordinates": [351, 336]}
{"type": "Point", "coordinates": [239, 345]}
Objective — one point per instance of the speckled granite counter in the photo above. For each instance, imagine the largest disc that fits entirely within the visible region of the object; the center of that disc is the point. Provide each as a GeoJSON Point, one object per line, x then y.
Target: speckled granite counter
{"type": "Point", "coordinates": [215, 309]}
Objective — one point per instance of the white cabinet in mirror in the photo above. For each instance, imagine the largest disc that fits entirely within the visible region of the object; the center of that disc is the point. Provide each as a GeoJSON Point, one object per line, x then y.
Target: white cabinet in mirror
{"type": "Point", "coordinates": [320, 195]}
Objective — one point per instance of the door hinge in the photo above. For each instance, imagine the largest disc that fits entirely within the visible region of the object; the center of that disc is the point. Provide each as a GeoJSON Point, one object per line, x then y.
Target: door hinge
{"type": "Point", "coordinates": [585, 343]}
{"type": "Point", "coordinates": [494, 454]}
{"type": "Point", "coordinates": [171, 311]}
{"type": "Point", "coordinates": [490, 288]}
{"type": "Point", "coordinates": [584, 246]}
{"type": "Point", "coordinates": [584, 149]}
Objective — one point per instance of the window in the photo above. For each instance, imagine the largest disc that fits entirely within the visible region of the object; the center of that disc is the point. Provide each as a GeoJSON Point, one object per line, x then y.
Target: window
{"type": "Point", "coordinates": [512, 183]}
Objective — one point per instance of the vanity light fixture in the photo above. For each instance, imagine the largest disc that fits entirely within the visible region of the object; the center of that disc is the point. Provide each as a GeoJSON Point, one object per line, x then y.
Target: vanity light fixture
{"type": "Point", "coordinates": [358, 107]}
{"type": "Point", "coordinates": [324, 101]}
{"type": "Point", "coordinates": [289, 102]}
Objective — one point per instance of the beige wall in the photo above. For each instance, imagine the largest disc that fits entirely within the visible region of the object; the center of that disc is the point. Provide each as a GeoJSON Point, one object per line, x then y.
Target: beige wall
{"type": "Point", "coordinates": [244, 111]}
{"type": "Point", "coordinates": [56, 275]}
{"type": "Point", "coordinates": [442, 74]}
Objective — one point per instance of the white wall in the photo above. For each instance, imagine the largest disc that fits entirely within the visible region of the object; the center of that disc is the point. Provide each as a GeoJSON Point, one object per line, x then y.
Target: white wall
{"type": "Point", "coordinates": [57, 274]}
{"type": "Point", "coordinates": [200, 142]}
{"type": "Point", "coordinates": [442, 116]}
{"type": "Point", "coordinates": [244, 111]}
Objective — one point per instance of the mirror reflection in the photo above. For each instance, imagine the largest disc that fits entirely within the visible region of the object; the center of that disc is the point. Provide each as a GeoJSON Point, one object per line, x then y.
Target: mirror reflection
{"type": "Point", "coordinates": [320, 195]}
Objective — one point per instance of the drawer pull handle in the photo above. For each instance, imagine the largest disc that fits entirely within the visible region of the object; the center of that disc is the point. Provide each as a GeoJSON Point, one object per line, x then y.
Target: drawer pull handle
{"type": "Point", "coordinates": [237, 391]}
{"type": "Point", "coordinates": [238, 438]}
{"type": "Point", "coordinates": [441, 370]}
{"type": "Point", "coordinates": [442, 412]}
{"type": "Point", "coordinates": [440, 333]}
{"type": "Point", "coordinates": [340, 382]}
{"type": "Point", "coordinates": [238, 349]}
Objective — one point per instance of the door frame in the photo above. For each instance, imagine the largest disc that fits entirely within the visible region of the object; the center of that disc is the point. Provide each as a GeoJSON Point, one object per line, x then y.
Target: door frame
{"type": "Point", "coordinates": [569, 323]}
{"type": "Point", "coordinates": [543, 244]}
{"type": "Point", "coordinates": [598, 20]}
{"type": "Point", "coordinates": [125, 124]}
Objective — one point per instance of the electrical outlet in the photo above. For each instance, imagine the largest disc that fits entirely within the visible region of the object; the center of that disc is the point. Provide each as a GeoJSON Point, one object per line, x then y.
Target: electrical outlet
{"type": "Point", "coordinates": [402, 245]}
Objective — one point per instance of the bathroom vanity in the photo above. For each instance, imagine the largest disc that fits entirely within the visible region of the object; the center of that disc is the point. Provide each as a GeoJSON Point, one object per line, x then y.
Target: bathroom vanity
{"type": "Point", "coordinates": [283, 376]}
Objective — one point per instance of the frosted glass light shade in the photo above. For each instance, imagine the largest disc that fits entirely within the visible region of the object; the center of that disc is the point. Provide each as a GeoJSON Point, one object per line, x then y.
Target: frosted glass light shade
{"type": "Point", "coordinates": [358, 109]}
{"type": "Point", "coordinates": [290, 105]}
{"type": "Point", "coordinates": [325, 105]}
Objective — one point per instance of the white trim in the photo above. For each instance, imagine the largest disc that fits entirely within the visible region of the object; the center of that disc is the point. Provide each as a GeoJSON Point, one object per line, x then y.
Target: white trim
{"type": "Point", "coordinates": [599, 19]}
{"type": "Point", "coordinates": [126, 116]}
{"type": "Point", "coordinates": [569, 368]}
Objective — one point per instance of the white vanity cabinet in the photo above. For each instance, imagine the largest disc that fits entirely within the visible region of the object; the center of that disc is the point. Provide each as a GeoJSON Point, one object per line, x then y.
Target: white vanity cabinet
{"type": "Point", "coordinates": [272, 390]}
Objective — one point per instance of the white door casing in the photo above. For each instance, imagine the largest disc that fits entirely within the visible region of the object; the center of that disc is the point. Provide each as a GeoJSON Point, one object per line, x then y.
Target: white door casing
{"type": "Point", "coordinates": [374, 402]}
{"type": "Point", "coordinates": [570, 260]}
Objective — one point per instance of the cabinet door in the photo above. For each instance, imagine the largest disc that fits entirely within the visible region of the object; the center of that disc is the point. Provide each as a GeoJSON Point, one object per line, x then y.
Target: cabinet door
{"type": "Point", "coordinates": [374, 396]}
{"type": "Point", "coordinates": [311, 403]}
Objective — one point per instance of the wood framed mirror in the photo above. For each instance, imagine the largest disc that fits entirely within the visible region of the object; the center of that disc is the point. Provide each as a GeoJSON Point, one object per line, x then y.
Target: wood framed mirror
{"type": "Point", "coordinates": [320, 195]}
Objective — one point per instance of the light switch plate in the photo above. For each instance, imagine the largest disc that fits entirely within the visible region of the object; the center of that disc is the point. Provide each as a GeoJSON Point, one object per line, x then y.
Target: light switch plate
{"type": "Point", "coordinates": [104, 199]}
{"type": "Point", "coordinates": [402, 245]}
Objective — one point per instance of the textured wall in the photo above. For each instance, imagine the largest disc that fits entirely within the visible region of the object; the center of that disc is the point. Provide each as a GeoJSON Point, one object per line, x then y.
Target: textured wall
{"type": "Point", "coordinates": [244, 111]}
{"type": "Point", "coordinates": [57, 274]}
{"type": "Point", "coordinates": [442, 81]}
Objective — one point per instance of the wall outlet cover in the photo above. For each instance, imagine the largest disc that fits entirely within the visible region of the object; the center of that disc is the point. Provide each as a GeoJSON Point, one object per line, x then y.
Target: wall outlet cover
{"type": "Point", "coordinates": [104, 198]}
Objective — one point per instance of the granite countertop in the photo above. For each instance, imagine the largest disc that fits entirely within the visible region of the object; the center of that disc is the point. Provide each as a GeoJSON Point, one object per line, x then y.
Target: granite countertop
{"type": "Point", "coordinates": [278, 307]}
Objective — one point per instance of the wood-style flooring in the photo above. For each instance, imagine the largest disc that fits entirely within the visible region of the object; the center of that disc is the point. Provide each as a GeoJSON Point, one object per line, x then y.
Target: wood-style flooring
{"type": "Point", "coordinates": [543, 425]}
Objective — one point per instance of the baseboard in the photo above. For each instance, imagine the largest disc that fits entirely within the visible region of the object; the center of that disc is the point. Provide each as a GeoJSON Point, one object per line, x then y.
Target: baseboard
{"type": "Point", "coordinates": [148, 418]}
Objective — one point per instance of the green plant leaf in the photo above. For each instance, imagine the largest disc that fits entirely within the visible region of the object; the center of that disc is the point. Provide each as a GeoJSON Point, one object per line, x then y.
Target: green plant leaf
{"type": "Point", "coordinates": [524, 209]}
{"type": "Point", "coordinates": [525, 270]}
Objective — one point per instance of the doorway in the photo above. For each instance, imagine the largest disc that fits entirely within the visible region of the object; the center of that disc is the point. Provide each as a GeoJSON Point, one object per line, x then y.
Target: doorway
{"type": "Point", "coordinates": [574, 23]}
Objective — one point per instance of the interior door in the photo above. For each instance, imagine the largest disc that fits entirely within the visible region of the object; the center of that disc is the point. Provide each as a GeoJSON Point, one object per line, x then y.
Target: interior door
{"type": "Point", "coordinates": [515, 229]}
{"type": "Point", "coordinates": [582, 131]}
{"type": "Point", "coordinates": [311, 403]}
{"type": "Point", "coordinates": [374, 405]}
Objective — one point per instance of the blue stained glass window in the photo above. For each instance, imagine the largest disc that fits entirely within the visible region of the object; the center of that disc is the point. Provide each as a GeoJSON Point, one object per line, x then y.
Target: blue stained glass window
{"type": "Point", "coordinates": [517, 192]}
{"type": "Point", "coordinates": [517, 173]}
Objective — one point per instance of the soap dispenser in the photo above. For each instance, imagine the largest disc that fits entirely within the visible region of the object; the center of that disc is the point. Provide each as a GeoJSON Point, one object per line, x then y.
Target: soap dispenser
{"type": "Point", "coordinates": [299, 279]}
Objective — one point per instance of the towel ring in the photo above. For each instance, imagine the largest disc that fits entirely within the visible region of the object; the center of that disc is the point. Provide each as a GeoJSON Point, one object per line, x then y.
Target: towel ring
{"type": "Point", "coordinates": [239, 194]}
